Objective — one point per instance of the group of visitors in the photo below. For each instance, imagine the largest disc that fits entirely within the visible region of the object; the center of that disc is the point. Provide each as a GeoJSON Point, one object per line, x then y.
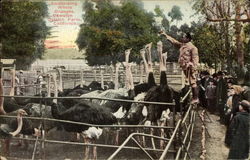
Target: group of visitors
{"type": "Point", "coordinates": [220, 94]}
{"type": "Point", "coordinates": [21, 81]}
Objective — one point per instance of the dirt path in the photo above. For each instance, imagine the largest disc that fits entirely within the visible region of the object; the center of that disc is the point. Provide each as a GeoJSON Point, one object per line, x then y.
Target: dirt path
{"type": "Point", "coordinates": [216, 150]}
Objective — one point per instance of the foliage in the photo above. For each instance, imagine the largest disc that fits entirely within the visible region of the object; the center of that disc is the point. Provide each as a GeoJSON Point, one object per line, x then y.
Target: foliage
{"type": "Point", "coordinates": [226, 14]}
{"type": "Point", "coordinates": [108, 30]}
{"type": "Point", "coordinates": [23, 31]}
{"type": "Point", "coordinates": [208, 42]}
{"type": "Point", "coordinates": [175, 14]}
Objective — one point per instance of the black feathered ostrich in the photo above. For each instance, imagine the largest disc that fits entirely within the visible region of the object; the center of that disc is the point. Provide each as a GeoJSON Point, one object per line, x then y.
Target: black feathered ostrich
{"type": "Point", "coordinates": [86, 112]}
{"type": "Point", "coordinates": [144, 87]}
{"type": "Point", "coordinates": [161, 93]}
{"type": "Point", "coordinates": [26, 128]}
{"type": "Point", "coordinates": [10, 129]}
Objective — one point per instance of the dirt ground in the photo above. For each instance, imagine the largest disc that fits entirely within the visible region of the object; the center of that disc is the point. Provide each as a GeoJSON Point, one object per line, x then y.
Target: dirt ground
{"type": "Point", "coordinates": [215, 148]}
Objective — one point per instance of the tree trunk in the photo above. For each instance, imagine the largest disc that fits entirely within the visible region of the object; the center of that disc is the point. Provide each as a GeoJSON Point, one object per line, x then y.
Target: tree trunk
{"type": "Point", "coordinates": [238, 27]}
{"type": "Point", "coordinates": [227, 48]}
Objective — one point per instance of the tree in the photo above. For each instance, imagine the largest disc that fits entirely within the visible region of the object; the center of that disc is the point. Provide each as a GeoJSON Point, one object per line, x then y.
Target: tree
{"type": "Point", "coordinates": [108, 30]}
{"type": "Point", "coordinates": [226, 12]}
{"type": "Point", "coordinates": [175, 14]}
{"type": "Point", "coordinates": [208, 41]}
{"type": "Point", "coordinates": [23, 31]}
{"type": "Point", "coordinates": [246, 43]}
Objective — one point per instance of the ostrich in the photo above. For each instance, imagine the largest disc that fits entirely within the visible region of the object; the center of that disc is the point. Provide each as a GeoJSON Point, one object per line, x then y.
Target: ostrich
{"type": "Point", "coordinates": [86, 112]}
{"type": "Point", "coordinates": [161, 93]}
{"type": "Point", "coordinates": [27, 127]}
{"type": "Point", "coordinates": [144, 87]}
{"type": "Point", "coordinates": [7, 130]}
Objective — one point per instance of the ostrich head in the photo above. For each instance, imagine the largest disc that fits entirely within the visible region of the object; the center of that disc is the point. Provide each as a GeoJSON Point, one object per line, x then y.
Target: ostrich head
{"type": "Point", "coordinates": [21, 112]}
{"type": "Point", "coordinates": [142, 52]}
{"type": "Point", "coordinates": [148, 46]}
{"type": "Point", "coordinates": [127, 51]}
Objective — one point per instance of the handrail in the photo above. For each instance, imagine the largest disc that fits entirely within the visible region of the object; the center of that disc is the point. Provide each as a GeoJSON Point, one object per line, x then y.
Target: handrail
{"type": "Point", "coordinates": [185, 96]}
{"type": "Point", "coordinates": [90, 125]}
{"type": "Point", "coordinates": [187, 113]}
{"type": "Point", "coordinates": [170, 141]}
{"type": "Point", "coordinates": [99, 98]}
{"type": "Point", "coordinates": [186, 136]}
{"type": "Point", "coordinates": [130, 137]}
{"type": "Point", "coordinates": [89, 144]}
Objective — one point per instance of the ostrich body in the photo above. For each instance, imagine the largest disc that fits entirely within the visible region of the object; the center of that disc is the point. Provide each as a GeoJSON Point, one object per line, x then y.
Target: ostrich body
{"type": "Point", "coordinates": [144, 87]}
{"type": "Point", "coordinates": [161, 93]}
{"type": "Point", "coordinates": [7, 130]}
{"type": "Point", "coordinates": [85, 112]}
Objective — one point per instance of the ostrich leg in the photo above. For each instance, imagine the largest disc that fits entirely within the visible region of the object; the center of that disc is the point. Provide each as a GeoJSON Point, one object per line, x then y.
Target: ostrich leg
{"type": "Point", "coordinates": [2, 111]}
{"type": "Point", "coordinates": [141, 71]}
{"type": "Point", "coordinates": [6, 146]}
{"type": "Point", "coordinates": [142, 52]}
{"type": "Point", "coordinates": [86, 154]}
{"type": "Point", "coordinates": [164, 57]}
{"type": "Point", "coordinates": [94, 151]}
{"type": "Point", "coordinates": [117, 66]}
{"type": "Point", "coordinates": [161, 59]}
{"type": "Point", "coordinates": [152, 139]}
{"type": "Point", "coordinates": [162, 124]}
{"type": "Point", "coordinates": [117, 133]}
{"type": "Point", "coordinates": [148, 49]}
{"type": "Point", "coordinates": [127, 53]}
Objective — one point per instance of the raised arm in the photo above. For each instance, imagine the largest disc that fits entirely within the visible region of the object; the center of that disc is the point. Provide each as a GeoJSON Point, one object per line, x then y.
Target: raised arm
{"type": "Point", "coordinates": [171, 39]}
{"type": "Point", "coordinates": [195, 57]}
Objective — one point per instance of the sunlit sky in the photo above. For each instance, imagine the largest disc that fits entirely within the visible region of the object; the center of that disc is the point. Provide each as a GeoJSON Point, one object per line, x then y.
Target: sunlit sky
{"type": "Point", "coordinates": [64, 36]}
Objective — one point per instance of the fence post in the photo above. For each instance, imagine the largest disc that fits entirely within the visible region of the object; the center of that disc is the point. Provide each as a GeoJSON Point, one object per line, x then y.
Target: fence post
{"type": "Point", "coordinates": [102, 80]}
{"type": "Point", "coordinates": [81, 78]}
{"type": "Point", "coordinates": [49, 86]}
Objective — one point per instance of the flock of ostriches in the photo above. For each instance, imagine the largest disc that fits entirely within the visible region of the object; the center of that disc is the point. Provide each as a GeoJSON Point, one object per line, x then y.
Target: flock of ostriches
{"type": "Point", "coordinates": [102, 112]}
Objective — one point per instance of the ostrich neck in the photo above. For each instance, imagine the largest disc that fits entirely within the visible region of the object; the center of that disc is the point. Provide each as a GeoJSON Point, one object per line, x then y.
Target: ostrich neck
{"type": "Point", "coordinates": [117, 66]}
{"type": "Point", "coordinates": [59, 71]}
{"type": "Point", "coordinates": [19, 126]}
{"type": "Point", "coordinates": [54, 111]}
{"type": "Point", "coordinates": [145, 63]}
{"type": "Point", "coordinates": [127, 71]}
{"type": "Point", "coordinates": [141, 72]}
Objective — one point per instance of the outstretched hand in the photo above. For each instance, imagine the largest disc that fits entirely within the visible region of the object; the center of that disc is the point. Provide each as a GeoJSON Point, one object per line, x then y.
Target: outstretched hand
{"type": "Point", "coordinates": [162, 33]}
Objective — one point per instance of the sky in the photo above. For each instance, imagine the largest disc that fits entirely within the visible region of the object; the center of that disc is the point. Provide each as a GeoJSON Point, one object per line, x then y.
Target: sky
{"type": "Point", "coordinates": [66, 16]}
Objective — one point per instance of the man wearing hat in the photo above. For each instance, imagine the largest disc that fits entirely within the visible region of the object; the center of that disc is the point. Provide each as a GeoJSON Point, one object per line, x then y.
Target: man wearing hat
{"type": "Point", "coordinates": [21, 82]}
{"type": "Point", "coordinates": [239, 146]}
{"type": "Point", "coordinates": [188, 60]}
{"type": "Point", "coordinates": [221, 95]}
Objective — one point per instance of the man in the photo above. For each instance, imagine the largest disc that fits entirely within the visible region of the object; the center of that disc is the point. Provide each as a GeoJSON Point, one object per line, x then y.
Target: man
{"type": "Point", "coordinates": [221, 95]}
{"type": "Point", "coordinates": [239, 145]}
{"type": "Point", "coordinates": [21, 82]}
{"type": "Point", "coordinates": [204, 75]}
{"type": "Point", "coordinates": [188, 60]}
{"type": "Point", "coordinates": [39, 81]}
